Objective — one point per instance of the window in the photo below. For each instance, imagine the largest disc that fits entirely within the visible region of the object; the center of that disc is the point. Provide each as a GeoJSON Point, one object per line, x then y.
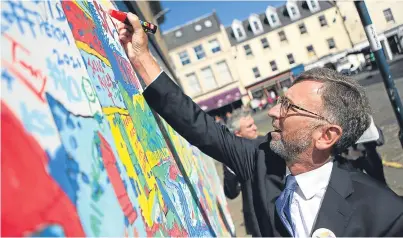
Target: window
{"type": "Point", "coordinates": [313, 4]}
{"type": "Point", "coordinates": [239, 32]}
{"type": "Point", "coordinates": [255, 24]}
{"type": "Point", "coordinates": [293, 11]}
{"type": "Point", "coordinates": [256, 72]}
{"type": "Point", "coordinates": [282, 36]}
{"type": "Point", "coordinates": [193, 84]}
{"type": "Point", "coordinates": [302, 28]}
{"type": "Point", "coordinates": [215, 46]}
{"type": "Point", "coordinates": [224, 73]}
{"type": "Point", "coordinates": [273, 19]}
{"type": "Point", "coordinates": [208, 77]}
{"type": "Point", "coordinates": [388, 15]}
{"type": "Point", "coordinates": [199, 52]}
{"type": "Point", "coordinates": [331, 43]}
{"type": "Point", "coordinates": [184, 57]}
{"type": "Point", "coordinates": [311, 51]}
{"type": "Point", "coordinates": [178, 34]}
{"type": "Point", "coordinates": [322, 21]}
{"type": "Point", "coordinates": [265, 43]}
{"type": "Point", "coordinates": [273, 65]}
{"type": "Point", "coordinates": [257, 27]}
{"type": "Point", "coordinates": [291, 59]}
{"type": "Point", "coordinates": [248, 50]}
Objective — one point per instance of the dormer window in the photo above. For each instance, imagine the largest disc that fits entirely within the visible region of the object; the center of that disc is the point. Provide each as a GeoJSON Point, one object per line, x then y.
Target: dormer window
{"type": "Point", "coordinates": [255, 24]}
{"type": "Point", "coordinates": [272, 17]}
{"type": "Point", "coordinates": [313, 5]}
{"type": "Point", "coordinates": [293, 11]}
{"type": "Point", "coordinates": [238, 30]}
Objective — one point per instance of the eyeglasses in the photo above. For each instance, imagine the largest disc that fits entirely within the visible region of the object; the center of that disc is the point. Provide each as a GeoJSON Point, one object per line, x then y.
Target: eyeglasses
{"type": "Point", "coordinates": [285, 105]}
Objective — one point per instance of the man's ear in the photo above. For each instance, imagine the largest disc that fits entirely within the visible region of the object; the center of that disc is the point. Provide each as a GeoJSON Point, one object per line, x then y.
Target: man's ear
{"type": "Point", "coordinates": [237, 133]}
{"type": "Point", "coordinates": [327, 136]}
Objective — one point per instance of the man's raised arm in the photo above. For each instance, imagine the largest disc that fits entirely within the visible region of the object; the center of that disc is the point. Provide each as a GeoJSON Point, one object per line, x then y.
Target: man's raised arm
{"type": "Point", "coordinates": [185, 116]}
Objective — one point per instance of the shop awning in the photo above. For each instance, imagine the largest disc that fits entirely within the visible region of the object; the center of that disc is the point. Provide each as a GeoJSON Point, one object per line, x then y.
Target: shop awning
{"type": "Point", "coordinates": [220, 100]}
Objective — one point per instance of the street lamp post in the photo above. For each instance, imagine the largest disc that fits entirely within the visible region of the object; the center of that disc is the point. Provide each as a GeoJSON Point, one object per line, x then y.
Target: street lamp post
{"type": "Point", "coordinates": [160, 14]}
{"type": "Point", "coordinates": [376, 48]}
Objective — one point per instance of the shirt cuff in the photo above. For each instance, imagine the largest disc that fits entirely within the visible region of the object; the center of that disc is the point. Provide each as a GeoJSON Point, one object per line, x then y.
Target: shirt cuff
{"type": "Point", "coordinates": [154, 79]}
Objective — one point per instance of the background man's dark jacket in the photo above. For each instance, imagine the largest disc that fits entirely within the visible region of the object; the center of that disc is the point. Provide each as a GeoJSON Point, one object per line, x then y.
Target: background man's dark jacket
{"type": "Point", "coordinates": [354, 204]}
{"type": "Point", "coordinates": [232, 188]}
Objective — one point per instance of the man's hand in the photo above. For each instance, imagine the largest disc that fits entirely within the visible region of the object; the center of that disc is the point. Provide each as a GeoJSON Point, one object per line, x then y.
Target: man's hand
{"type": "Point", "coordinates": [133, 38]}
{"type": "Point", "coordinates": [135, 43]}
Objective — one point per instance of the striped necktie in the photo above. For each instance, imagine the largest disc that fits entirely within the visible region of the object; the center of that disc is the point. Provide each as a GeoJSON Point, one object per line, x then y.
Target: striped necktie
{"type": "Point", "coordinates": [283, 203]}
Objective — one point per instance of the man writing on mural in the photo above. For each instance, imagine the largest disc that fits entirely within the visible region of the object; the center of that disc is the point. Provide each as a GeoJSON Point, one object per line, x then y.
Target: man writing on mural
{"type": "Point", "coordinates": [321, 113]}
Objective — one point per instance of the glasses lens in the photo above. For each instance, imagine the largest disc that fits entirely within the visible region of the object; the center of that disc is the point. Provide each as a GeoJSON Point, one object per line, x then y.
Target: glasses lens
{"type": "Point", "coordinates": [285, 104]}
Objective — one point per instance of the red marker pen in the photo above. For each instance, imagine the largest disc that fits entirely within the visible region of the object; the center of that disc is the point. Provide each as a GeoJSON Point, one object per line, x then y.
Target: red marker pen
{"type": "Point", "coordinates": [122, 17]}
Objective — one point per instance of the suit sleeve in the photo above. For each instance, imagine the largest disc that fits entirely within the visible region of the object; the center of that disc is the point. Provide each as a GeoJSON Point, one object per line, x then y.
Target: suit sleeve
{"type": "Point", "coordinates": [232, 187]}
{"type": "Point", "coordinates": [200, 129]}
{"type": "Point", "coordinates": [396, 229]}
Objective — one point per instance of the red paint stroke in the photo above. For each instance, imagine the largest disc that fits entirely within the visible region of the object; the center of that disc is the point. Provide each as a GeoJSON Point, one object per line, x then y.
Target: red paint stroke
{"type": "Point", "coordinates": [18, 66]}
{"type": "Point", "coordinates": [103, 15]}
{"type": "Point", "coordinates": [175, 231]}
{"type": "Point", "coordinates": [83, 28]}
{"type": "Point", "coordinates": [129, 76]}
{"type": "Point", "coordinates": [117, 183]}
{"type": "Point", "coordinates": [151, 231]}
{"type": "Point", "coordinates": [173, 171]}
{"type": "Point", "coordinates": [31, 198]}
{"type": "Point", "coordinates": [96, 65]}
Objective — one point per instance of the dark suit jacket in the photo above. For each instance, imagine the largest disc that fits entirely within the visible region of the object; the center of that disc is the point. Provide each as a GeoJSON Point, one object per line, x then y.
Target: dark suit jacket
{"type": "Point", "coordinates": [354, 204]}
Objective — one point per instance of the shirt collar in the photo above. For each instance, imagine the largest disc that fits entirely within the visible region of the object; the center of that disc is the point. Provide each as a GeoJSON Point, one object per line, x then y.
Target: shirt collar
{"type": "Point", "coordinates": [310, 183]}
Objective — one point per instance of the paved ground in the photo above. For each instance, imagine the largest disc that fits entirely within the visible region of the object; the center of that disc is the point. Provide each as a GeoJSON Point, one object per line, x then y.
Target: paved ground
{"type": "Point", "coordinates": [384, 117]}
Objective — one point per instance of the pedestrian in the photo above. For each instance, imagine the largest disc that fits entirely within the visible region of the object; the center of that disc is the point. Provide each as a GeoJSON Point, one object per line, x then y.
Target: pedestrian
{"type": "Point", "coordinates": [219, 120]}
{"type": "Point", "coordinates": [363, 154]}
{"type": "Point", "coordinates": [320, 113]}
{"type": "Point", "coordinates": [243, 125]}
{"type": "Point", "coordinates": [255, 104]}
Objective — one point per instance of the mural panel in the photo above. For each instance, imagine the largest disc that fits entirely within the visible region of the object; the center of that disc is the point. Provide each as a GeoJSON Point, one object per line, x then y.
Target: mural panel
{"type": "Point", "coordinates": [82, 153]}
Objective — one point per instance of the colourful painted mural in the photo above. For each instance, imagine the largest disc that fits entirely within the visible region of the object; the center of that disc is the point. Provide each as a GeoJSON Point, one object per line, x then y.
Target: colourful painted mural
{"type": "Point", "coordinates": [82, 153]}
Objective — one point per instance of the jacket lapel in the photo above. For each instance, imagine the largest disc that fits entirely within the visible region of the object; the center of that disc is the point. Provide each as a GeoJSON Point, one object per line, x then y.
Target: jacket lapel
{"type": "Point", "coordinates": [335, 211]}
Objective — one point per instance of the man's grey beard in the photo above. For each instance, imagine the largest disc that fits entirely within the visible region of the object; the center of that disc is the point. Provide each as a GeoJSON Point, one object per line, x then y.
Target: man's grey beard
{"type": "Point", "coordinates": [290, 150]}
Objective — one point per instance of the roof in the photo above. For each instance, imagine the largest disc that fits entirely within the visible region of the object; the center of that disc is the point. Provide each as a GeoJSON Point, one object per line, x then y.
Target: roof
{"type": "Point", "coordinates": [283, 17]}
{"type": "Point", "coordinates": [189, 34]}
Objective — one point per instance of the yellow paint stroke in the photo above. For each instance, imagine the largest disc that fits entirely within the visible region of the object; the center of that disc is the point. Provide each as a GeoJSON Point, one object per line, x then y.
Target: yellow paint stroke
{"type": "Point", "coordinates": [139, 99]}
{"type": "Point", "coordinates": [142, 159]}
{"type": "Point", "coordinates": [82, 9]}
{"type": "Point", "coordinates": [113, 110]}
{"type": "Point", "coordinates": [146, 202]}
{"type": "Point", "coordinates": [84, 46]}
{"type": "Point", "coordinates": [208, 199]}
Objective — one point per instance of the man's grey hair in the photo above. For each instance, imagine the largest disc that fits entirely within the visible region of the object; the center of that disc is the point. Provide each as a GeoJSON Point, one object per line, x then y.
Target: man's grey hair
{"type": "Point", "coordinates": [233, 123]}
{"type": "Point", "coordinates": [344, 104]}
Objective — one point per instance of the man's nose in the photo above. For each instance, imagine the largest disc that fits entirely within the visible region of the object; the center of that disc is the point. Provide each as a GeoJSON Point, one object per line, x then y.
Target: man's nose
{"type": "Point", "coordinates": [274, 111]}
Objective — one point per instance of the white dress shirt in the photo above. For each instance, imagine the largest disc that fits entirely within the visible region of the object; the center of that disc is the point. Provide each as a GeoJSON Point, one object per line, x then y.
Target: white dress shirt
{"type": "Point", "coordinates": [307, 198]}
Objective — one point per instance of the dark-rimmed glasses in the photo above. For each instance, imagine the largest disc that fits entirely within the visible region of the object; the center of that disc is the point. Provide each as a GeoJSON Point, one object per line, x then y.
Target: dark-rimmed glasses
{"type": "Point", "coordinates": [286, 104]}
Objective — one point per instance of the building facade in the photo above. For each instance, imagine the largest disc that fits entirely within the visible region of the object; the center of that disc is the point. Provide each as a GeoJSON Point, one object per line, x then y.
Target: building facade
{"type": "Point", "coordinates": [387, 20]}
{"type": "Point", "coordinates": [204, 64]}
{"type": "Point", "coordinates": [269, 45]}
{"type": "Point", "coordinates": [259, 57]}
